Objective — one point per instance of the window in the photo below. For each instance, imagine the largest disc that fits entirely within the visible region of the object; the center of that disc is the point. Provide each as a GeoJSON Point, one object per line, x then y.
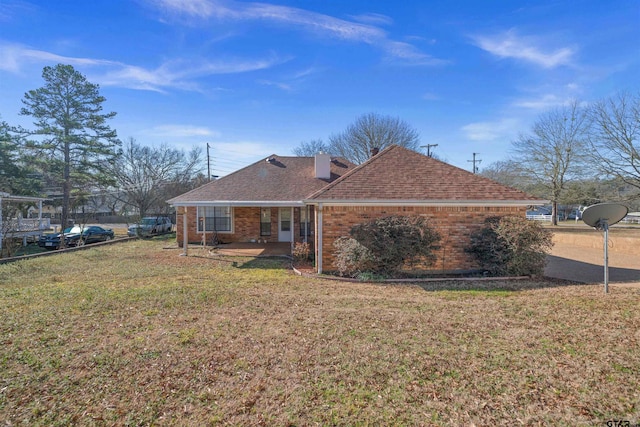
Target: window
{"type": "Point", "coordinates": [265, 222]}
{"type": "Point", "coordinates": [215, 218]}
{"type": "Point", "coordinates": [306, 222]}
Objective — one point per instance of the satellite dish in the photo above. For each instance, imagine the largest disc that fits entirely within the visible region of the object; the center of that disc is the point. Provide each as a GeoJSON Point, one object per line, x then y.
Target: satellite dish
{"type": "Point", "coordinates": [601, 216]}
{"type": "Point", "coordinates": [609, 213]}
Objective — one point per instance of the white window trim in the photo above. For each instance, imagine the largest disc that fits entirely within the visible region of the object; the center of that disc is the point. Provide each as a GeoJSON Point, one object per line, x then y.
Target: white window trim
{"type": "Point", "coordinates": [231, 213]}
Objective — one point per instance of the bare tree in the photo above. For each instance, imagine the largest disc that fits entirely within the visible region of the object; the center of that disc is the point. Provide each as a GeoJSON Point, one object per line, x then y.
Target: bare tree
{"type": "Point", "coordinates": [371, 131]}
{"type": "Point", "coordinates": [554, 152]}
{"type": "Point", "coordinates": [144, 174]}
{"type": "Point", "coordinates": [507, 172]}
{"type": "Point", "coordinates": [614, 136]}
{"type": "Point", "coordinates": [310, 148]}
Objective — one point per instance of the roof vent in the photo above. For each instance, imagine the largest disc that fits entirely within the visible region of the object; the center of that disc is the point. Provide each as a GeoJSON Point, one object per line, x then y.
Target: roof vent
{"type": "Point", "coordinates": [374, 151]}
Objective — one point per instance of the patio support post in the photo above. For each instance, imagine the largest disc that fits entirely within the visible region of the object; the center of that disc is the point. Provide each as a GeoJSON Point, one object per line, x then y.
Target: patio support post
{"type": "Point", "coordinates": [319, 239]}
{"type": "Point", "coordinates": [39, 215]}
{"type": "Point", "coordinates": [293, 230]}
{"type": "Point", "coordinates": [306, 223]}
{"type": "Point", "coordinates": [185, 230]}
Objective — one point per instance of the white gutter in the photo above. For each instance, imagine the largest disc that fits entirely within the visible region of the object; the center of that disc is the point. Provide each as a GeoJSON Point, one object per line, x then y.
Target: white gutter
{"type": "Point", "coordinates": [245, 203]}
{"type": "Point", "coordinates": [434, 203]}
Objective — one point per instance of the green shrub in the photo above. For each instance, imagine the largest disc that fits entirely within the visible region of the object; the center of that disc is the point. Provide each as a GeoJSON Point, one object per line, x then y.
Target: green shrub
{"type": "Point", "coordinates": [511, 246]}
{"type": "Point", "coordinates": [384, 245]}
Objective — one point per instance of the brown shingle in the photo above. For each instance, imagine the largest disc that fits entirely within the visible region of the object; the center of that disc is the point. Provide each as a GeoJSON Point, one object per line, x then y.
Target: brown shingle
{"type": "Point", "coordinates": [401, 174]}
{"type": "Point", "coordinates": [282, 180]}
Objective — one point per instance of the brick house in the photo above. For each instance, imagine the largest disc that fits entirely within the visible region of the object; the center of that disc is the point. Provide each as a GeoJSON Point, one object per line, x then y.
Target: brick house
{"type": "Point", "coordinates": [318, 200]}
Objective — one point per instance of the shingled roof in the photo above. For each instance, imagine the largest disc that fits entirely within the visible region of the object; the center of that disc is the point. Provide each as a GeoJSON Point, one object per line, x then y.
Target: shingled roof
{"type": "Point", "coordinates": [399, 174]}
{"type": "Point", "coordinates": [273, 180]}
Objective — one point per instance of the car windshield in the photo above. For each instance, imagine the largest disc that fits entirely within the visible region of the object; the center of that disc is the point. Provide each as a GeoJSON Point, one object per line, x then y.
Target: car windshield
{"type": "Point", "coordinates": [148, 221]}
{"type": "Point", "coordinates": [75, 229]}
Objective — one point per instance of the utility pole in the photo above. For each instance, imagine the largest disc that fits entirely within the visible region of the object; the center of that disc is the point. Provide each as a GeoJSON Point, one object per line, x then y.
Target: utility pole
{"type": "Point", "coordinates": [474, 161]}
{"type": "Point", "coordinates": [428, 147]}
{"type": "Point", "coordinates": [208, 164]}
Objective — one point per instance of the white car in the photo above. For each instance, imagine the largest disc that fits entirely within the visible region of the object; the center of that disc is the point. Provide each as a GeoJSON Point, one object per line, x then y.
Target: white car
{"type": "Point", "coordinates": [151, 225]}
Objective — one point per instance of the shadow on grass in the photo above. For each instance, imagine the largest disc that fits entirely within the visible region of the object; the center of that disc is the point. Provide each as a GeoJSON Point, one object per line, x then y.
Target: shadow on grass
{"type": "Point", "coordinates": [264, 263]}
{"type": "Point", "coordinates": [494, 286]}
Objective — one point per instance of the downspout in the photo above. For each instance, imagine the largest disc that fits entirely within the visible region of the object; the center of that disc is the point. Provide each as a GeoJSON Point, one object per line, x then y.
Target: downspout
{"type": "Point", "coordinates": [319, 239]}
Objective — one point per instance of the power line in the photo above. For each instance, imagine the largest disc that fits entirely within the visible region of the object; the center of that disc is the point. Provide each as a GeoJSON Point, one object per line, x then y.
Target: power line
{"type": "Point", "coordinates": [474, 161]}
{"type": "Point", "coordinates": [428, 147]}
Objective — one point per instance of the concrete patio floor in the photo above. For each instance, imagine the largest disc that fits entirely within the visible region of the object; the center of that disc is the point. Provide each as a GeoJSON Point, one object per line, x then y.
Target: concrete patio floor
{"type": "Point", "coordinates": [253, 249]}
{"type": "Point", "coordinates": [586, 264]}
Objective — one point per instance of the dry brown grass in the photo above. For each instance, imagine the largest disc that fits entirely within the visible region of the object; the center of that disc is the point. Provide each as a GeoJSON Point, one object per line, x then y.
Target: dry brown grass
{"type": "Point", "coordinates": [133, 334]}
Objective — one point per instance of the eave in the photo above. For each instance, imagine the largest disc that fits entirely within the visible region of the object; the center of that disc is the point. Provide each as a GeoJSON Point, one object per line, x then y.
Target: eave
{"type": "Point", "coordinates": [435, 203]}
{"type": "Point", "coordinates": [241, 203]}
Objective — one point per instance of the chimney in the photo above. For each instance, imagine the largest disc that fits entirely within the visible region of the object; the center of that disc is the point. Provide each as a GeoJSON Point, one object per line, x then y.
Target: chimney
{"type": "Point", "coordinates": [374, 151]}
{"type": "Point", "coordinates": [323, 165]}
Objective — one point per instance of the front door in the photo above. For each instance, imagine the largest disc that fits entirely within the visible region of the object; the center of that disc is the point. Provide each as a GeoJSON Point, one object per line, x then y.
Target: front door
{"type": "Point", "coordinates": [284, 225]}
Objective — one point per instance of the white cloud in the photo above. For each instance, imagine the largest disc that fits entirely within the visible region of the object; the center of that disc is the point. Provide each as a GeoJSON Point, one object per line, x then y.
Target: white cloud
{"type": "Point", "coordinates": [430, 96]}
{"type": "Point", "coordinates": [542, 103]}
{"type": "Point", "coordinates": [529, 49]}
{"type": "Point", "coordinates": [14, 56]}
{"type": "Point", "coordinates": [491, 131]}
{"type": "Point", "coordinates": [364, 31]}
{"type": "Point", "coordinates": [373, 19]}
{"type": "Point", "coordinates": [283, 86]}
{"type": "Point", "coordinates": [180, 131]}
{"type": "Point", "coordinates": [171, 74]}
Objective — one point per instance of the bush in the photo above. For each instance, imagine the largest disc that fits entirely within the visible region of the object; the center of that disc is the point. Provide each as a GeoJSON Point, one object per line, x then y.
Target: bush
{"type": "Point", "coordinates": [511, 246]}
{"type": "Point", "coordinates": [384, 245]}
{"type": "Point", "coordinates": [352, 259]}
{"type": "Point", "coordinates": [301, 251]}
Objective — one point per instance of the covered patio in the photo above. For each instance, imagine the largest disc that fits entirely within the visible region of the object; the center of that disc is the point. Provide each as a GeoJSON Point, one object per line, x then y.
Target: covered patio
{"type": "Point", "coordinates": [248, 249]}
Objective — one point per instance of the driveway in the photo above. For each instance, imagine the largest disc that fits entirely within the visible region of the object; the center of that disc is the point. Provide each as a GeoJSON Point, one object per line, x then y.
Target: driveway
{"type": "Point", "coordinates": [586, 265]}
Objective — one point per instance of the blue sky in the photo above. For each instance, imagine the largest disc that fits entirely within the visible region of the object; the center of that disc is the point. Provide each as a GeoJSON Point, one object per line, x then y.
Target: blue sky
{"type": "Point", "coordinates": [257, 78]}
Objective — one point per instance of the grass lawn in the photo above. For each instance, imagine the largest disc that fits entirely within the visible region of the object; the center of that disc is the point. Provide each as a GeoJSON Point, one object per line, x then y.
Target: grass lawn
{"type": "Point", "coordinates": [134, 334]}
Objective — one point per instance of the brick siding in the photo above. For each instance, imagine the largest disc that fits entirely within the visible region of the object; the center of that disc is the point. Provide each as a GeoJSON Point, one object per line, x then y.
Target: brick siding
{"type": "Point", "coordinates": [455, 225]}
{"type": "Point", "coordinates": [246, 226]}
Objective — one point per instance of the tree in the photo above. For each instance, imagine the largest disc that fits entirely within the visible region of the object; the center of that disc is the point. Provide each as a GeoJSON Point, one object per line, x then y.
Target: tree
{"type": "Point", "coordinates": [148, 176]}
{"type": "Point", "coordinates": [74, 142]}
{"type": "Point", "coordinates": [310, 148]}
{"type": "Point", "coordinates": [16, 174]}
{"type": "Point", "coordinates": [614, 136]}
{"type": "Point", "coordinates": [372, 131]}
{"type": "Point", "coordinates": [554, 152]}
{"type": "Point", "coordinates": [507, 172]}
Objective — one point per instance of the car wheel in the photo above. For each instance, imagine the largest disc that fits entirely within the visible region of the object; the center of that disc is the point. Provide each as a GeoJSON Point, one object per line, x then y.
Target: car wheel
{"type": "Point", "coordinates": [81, 242]}
{"type": "Point", "coordinates": [107, 238]}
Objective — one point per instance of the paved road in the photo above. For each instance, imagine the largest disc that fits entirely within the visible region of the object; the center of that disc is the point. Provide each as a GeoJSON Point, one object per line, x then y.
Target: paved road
{"type": "Point", "coordinates": [587, 265]}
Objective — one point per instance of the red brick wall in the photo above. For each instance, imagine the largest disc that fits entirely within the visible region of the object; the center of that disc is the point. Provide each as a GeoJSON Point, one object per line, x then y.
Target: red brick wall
{"type": "Point", "coordinates": [455, 225]}
{"type": "Point", "coordinates": [246, 226]}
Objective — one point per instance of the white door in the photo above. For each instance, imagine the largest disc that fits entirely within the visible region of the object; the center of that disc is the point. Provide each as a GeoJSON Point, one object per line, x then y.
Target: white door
{"type": "Point", "coordinates": [284, 224]}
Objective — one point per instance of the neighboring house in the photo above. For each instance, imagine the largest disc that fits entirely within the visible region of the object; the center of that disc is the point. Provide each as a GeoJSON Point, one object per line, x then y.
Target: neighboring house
{"type": "Point", "coordinates": [15, 226]}
{"type": "Point", "coordinates": [258, 202]}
